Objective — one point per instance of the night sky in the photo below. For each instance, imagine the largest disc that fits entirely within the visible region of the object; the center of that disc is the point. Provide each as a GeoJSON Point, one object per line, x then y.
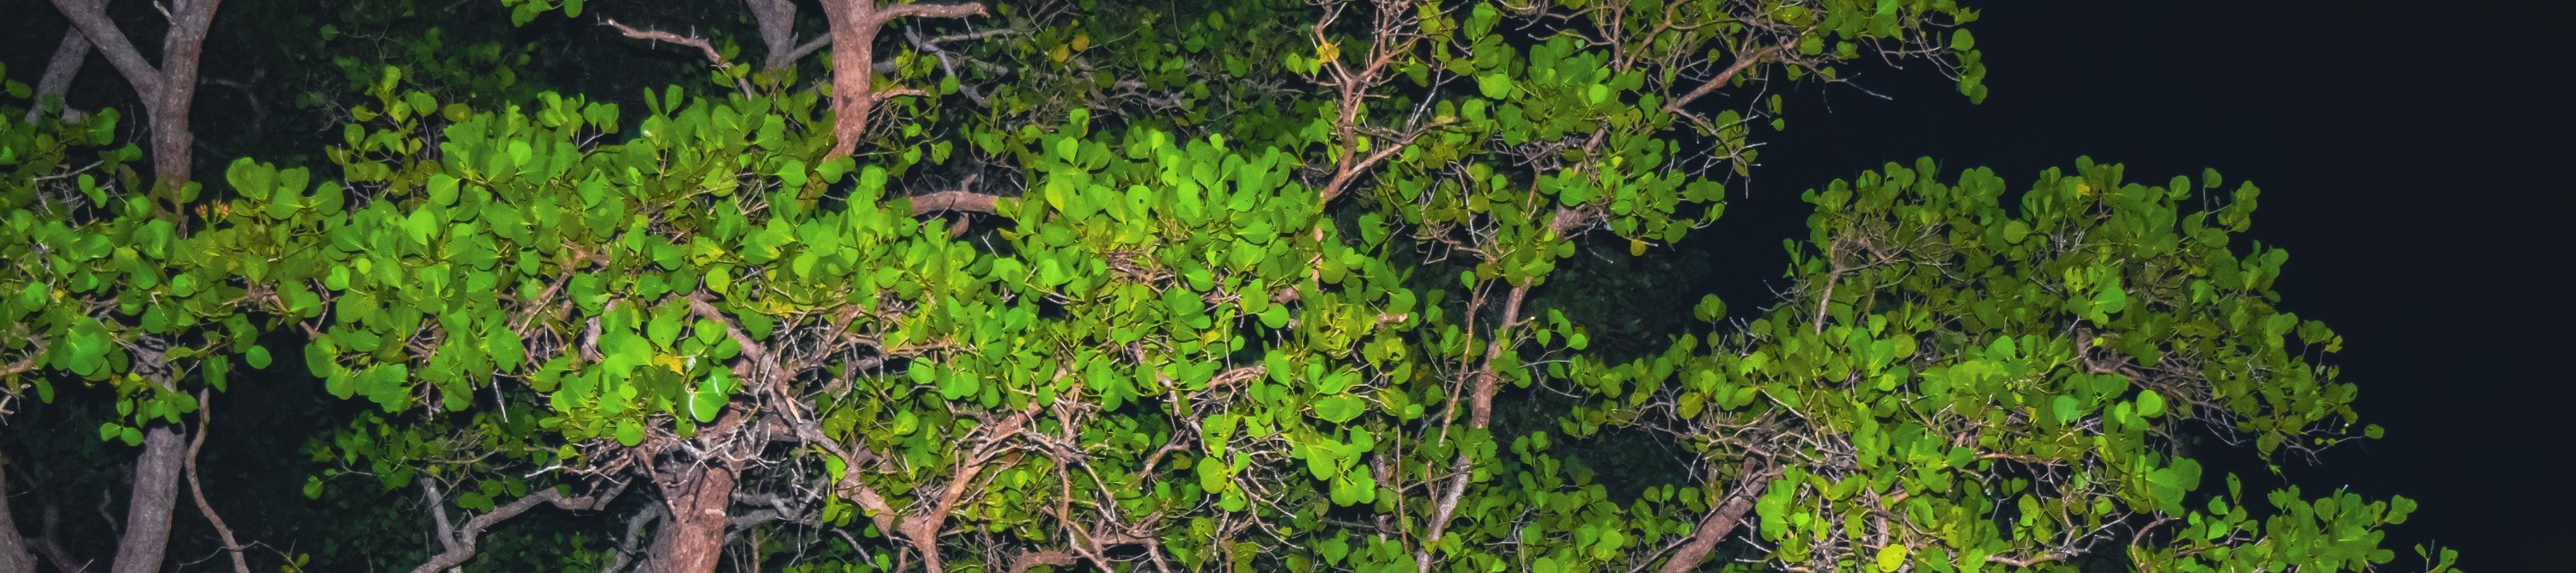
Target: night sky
{"type": "Point", "coordinates": [2412, 159]}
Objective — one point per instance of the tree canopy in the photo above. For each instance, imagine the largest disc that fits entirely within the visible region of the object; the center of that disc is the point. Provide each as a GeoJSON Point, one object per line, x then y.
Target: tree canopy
{"type": "Point", "coordinates": [1108, 286]}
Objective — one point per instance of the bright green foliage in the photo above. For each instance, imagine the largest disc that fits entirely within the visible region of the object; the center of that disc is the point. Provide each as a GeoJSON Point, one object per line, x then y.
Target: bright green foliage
{"type": "Point", "coordinates": [107, 286]}
{"type": "Point", "coordinates": [1967, 379]}
{"type": "Point", "coordinates": [1239, 288]}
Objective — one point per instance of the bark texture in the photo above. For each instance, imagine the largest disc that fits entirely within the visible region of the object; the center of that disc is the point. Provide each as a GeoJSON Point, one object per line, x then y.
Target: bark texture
{"type": "Point", "coordinates": [692, 539]}
{"type": "Point", "coordinates": [854, 36]}
{"type": "Point", "coordinates": [156, 496]}
{"type": "Point", "coordinates": [14, 557]}
{"type": "Point", "coordinates": [168, 90]}
{"type": "Point", "coordinates": [1720, 522]}
{"type": "Point", "coordinates": [59, 71]}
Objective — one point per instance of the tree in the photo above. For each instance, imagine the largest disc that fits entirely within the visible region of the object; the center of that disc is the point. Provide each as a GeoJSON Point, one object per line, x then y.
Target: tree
{"type": "Point", "coordinates": [1241, 286]}
{"type": "Point", "coordinates": [127, 291]}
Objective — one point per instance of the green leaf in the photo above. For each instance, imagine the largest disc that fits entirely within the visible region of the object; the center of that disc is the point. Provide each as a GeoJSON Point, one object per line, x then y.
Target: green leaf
{"type": "Point", "coordinates": [2150, 404]}
{"type": "Point", "coordinates": [250, 178]}
{"type": "Point", "coordinates": [705, 403]}
{"type": "Point", "coordinates": [2066, 408]}
{"type": "Point", "coordinates": [442, 189]}
{"type": "Point", "coordinates": [1339, 408]}
{"type": "Point", "coordinates": [1891, 557]}
{"type": "Point", "coordinates": [1494, 85]}
{"type": "Point", "coordinates": [257, 357]}
{"type": "Point", "coordinates": [505, 348]}
{"type": "Point", "coordinates": [629, 433]}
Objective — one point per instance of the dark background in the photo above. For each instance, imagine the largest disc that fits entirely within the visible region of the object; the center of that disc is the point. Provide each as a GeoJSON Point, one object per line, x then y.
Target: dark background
{"type": "Point", "coordinates": [2411, 157]}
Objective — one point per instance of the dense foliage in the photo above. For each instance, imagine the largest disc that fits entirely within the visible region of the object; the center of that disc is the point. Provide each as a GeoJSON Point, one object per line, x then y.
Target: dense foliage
{"type": "Point", "coordinates": [1088, 285]}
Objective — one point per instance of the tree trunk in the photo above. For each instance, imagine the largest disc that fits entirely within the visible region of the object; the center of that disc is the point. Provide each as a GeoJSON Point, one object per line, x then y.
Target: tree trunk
{"type": "Point", "coordinates": [692, 539]}
{"type": "Point", "coordinates": [777, 22]}
{"type": "Point", "coordinates": [173, 141]}
{"type": "Point", "coordinates": [156, 495]}
{"type": "Point", "coordinates": [854, 37]}
{"type": "Point", "coordinates": [14, 557]}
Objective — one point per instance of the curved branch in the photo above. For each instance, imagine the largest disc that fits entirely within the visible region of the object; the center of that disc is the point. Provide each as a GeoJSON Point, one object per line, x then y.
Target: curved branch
{"type": "Point", "coordinates": [722, 65]}
{"type": "Point", "coordinates": [959, 199]}
{"type": "Point", "coordinates": [197, 489]}
{"type": "Point", "coordinates": [464, 542]}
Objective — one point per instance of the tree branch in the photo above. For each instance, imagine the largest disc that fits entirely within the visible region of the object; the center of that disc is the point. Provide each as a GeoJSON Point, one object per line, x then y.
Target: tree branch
{"type": "Point", "coordinates": [59, 71]}
{"type": "Point", "coordinates": [1743, 61]}
{"type": "Point", "coordinates": [197, 490]}
{"type": "Point", "coordinates": [1720, 522]}
{"type": "Point", "coordinates": [90, 17]}
{"type": "Point", "coordinates": [690, 41]}
{"type": "Point", "coordinates": [1034, 559]}
{"type": "Point", "coordinates": [855, 24]}
{"type": "Point", "coordinates": [889, 13]}
{"type": "Point", "coordinates": [14, 557]}
{"type": "Point", "coordinates": [154, 494]}
{"type": "Point", "coordinates": [464, 542]}
{"type": "Point", "coordinates": [959, 199]}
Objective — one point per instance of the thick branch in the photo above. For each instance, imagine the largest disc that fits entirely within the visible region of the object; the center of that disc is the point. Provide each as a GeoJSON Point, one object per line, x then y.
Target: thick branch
{"type": "Point", "coordinates": [14, 557]}
{"type": "Point", "coordinates": [777, 22]}
{"type": "Point", "coordinates": [889, 13]}
{"type": "Point", "coordinates": [147, 511]}
{"type": "Point", "coordinates": [59, 71]}
{"type": "Point", "coordinates": [855, 24]}
{"type": "Point", "coordinates": [960, 199]}
{"type": "Point", "coordinates": [1719, 523]}
{"type": "Point", "coordinates": [90, 17]}
{"type": "Point", "coordinates": [1034, 559]}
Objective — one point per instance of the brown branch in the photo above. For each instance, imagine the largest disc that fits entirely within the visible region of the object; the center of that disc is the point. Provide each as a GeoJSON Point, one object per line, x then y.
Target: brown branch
{"type": "Point", "coordinates": [35, 351]}
{"type": "Point", "coordinates": [1743, 61]}
{"type": "Point", "coordinates": [155, 494]}
{"type": "Point", "coordinates": [1033, 559]}
{"type": "Point", "coordinates": [777, 22]}
{"type": "Point", "coordinates": [197, 489]}
{"type": "Point", "coordinates": [958, 199]}
{"type": "Point", "coordinates": [802, 50]}
{"type": "Point", "coordinates": [1721, 521]}
{"type": "Point", "coordinates": [855, 24]}
{"type": "Point", "coordinates": [889, 13]}
{"type": "Point", "coordinates": [1480, 414]}
{"type": "Point", "coordinates": [692, 41]}
{"type": "Point", "coordinates": [1833, 254]}
{"type": "Point", "coordinates": [464, 542]}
